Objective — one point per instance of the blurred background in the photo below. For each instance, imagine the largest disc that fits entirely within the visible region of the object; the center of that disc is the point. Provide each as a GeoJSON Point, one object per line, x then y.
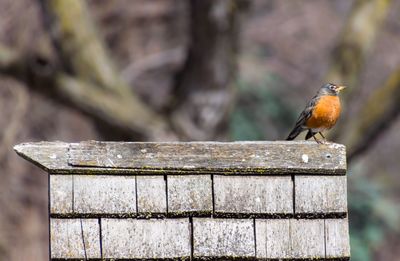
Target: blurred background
{"type": "Point", "coordinates": [75, 70]}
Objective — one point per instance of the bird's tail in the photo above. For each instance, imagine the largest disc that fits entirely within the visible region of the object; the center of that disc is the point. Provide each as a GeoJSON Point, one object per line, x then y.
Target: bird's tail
{"type": "Point", "coordinates": [294, 133]}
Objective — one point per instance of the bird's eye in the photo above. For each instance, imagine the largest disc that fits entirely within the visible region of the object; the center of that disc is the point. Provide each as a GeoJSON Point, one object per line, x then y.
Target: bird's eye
{"type": "Point", "coordinates": [331, 87]}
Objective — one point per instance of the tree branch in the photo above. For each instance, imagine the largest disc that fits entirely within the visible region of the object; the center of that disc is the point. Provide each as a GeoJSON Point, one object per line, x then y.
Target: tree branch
{"type": "Point", "coordinates": [356, 40]}
{"type": "Point", "coordinates": [376, 115]}
{"type": "Point", "coordinates": [348, 57]}
{"type": "Point", "coordinates": [118, 110]}
{"type": "Point", "coordinates": [91, 82]}
{"type": "Point", "coordinates": [77, 43]}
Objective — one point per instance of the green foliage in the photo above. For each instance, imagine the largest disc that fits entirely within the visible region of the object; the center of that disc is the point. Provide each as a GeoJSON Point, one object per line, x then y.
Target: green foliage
{"type": "Point", "coordinates": [260, 113]}
{"type": "Point", "coordinates": [243, 127]}
{"type": "Point", "coordinates": [372, 216]}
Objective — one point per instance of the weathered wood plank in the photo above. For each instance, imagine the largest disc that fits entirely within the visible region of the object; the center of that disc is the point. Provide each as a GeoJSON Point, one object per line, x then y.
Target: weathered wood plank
{"type": "Point", "coordinates": [60, 194]}
{"type": "Point", "coordinates": [307, 238]}
{"type": "Point", "coordinates": [253, 194]}
{"type": "Point", "coordinates": [75, 238]}
{"type": "Point", "coordinates": [302, 238]}
{"type": "Point", "coordinates": [146, 238]}
{"type": "Point", "coordinates": [104, 194]}
{"type": "Point", "coordinates": [273, 238]}
{"type": "Point", "coordinates": [151, 194]}
{"type": "Point", "coordinates": [320, 194]}
{"type": "Point", "coordinates": [128, 192]}
{"type": "Point", "coordinates": [212, 156]}
{"type": "Point", "coordinates": [278, 157]}
{"type": "Point", "coordinates": [229, 238]}
{"type": "Point", "coordinates": [50, 156]}
{"type": "Point", "coordinates": [189, 194]}
{"type": "Point", "coordinates": [337, 238]}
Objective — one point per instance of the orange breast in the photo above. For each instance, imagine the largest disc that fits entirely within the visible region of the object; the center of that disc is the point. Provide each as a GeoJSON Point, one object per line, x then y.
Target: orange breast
{"type": "Point", "coordinates": [325, 113]}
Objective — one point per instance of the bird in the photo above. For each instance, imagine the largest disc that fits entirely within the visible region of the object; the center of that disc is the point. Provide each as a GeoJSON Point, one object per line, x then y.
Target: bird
{"type": "Point", "coordinates": [320, 114]}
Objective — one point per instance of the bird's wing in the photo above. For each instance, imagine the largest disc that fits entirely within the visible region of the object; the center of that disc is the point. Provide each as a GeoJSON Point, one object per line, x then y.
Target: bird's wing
{"type": "Point", "coordinates": [306, 113]}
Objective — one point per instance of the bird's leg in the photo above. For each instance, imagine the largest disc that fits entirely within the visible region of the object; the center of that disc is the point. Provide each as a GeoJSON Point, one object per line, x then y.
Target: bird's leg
{"type": "Point", "coordinates": [317, 140]}
{"type": "Point", "coordinates": [320, 133]}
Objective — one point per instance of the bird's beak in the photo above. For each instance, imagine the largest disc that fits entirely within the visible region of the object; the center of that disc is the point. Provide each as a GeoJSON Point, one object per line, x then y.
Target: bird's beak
{"type": "Point", "coordinates": [340, 88]}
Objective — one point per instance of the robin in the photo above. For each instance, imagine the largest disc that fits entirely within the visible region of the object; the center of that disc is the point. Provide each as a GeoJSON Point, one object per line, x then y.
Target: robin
{"type": "Point", "coordinates": [320, 114]}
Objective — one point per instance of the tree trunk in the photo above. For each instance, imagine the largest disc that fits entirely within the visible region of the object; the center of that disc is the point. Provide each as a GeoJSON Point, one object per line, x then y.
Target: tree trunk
{"type": "Point", "coordinates": [204, 87]}
{"type": "Point", "coordinates": [359, 35]}
{"type": "Point", "coordinates": [97, 88]}
{"type": "Point", "coordinates": [86, 79]}
{"type": "Point", "coordinates": [375, 116]}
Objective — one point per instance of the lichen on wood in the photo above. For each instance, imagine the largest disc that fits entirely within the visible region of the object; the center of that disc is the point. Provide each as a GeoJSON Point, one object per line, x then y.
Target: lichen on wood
{"type": "Point", "coordinates": [201, 201]}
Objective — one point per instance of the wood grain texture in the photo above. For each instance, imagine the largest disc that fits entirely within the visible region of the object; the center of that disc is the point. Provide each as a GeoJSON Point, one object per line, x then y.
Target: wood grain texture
{"type": "Point", "coordinates": [179, 179]}
{"type": "Point", "coordinates": [146, 238]}
{"type": "Point", "coordinates": [307, 238]}
{"type": "Point", "coordinates": [151, 194]}
{"type": "Point", "coordinates": [320, 194]}
{"type": "Point", "coordinates": [50, 156]}
{"type": "Point", "coordinates": [74, 238]}
{"type": "Point", "coordinates": [253, 194]}
{"type": "Point", "coordinates": [273, 238]}
{"type": "Point", "coordinates": [337, 238]}
{"type": "Point", "coordinates": [104, 194]}
{"type": "Point", "coordinates": [302, 239]}
{"type": "Point", "coordinates": [61, 192]}
{"type": "Point", "coordinates": [189, 194]}
{"type": "Point", "coordinates": [228, 238]}
{"type": "Point", "coordinates": [278, 157]}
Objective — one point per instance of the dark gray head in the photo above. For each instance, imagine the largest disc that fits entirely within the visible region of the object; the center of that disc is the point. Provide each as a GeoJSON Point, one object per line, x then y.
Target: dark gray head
{"type": "Point", "coordinates": [331, 89]}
